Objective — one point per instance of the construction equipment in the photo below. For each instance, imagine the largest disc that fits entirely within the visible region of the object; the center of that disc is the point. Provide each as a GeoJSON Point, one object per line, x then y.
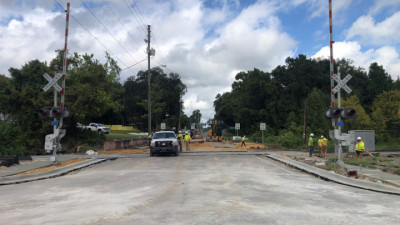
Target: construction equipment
{"type": "Point", "coordinates": [215, 133]}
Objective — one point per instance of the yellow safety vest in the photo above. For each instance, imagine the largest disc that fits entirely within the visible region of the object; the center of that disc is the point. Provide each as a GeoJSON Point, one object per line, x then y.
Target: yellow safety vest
{"type": "Point", "coordinates": [243, 138]}
{"type": "Point", "coordinates": [323, 142]}
{"type": "Point", "coordinates": [187, 137]}
{"type": "Point", "coordinates": [180, 136]}
{"type": "Point", "coordinates": [360, 146]}
{"type": "Point", "coordinates": [310, 142]}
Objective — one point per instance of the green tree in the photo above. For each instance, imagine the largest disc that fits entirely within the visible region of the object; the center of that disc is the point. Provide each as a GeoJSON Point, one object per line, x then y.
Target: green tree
{"type": "Point", "coordinates": [195, 117]}
{"type": "Point", "coordinates": [166, 93]}
{"type": "Point", "coordinates": [385, 118]}
{"type": "Point", "coordinates": [362, 120]}
{"type": "Point", "coordinates": [317, 104]}
{"type": "Point", "coordinates": [378, 82]}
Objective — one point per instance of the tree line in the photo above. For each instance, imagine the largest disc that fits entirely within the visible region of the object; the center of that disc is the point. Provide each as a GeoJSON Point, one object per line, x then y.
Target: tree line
{"type": "Point", "coordinates": [93, 93]}
{"type": "Point", "coordinates": [298, 93]}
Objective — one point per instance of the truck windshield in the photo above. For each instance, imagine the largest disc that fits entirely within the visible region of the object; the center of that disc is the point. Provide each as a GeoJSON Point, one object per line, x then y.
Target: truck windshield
{"type": "Point", "coordinates": [164, 135]}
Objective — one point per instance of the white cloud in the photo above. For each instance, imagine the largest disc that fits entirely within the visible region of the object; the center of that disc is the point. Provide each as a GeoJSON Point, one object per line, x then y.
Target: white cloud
{"type": "Point", "coordinates": [240, 40]}
{"type": "Point", "coordinates": [379, 5]}
{"type": "Point", "coordinates": [376, 33]}
{"type": "Point", "coordinates": [319, 8]}
{"type": "Point", "coordinates": [387, 56]}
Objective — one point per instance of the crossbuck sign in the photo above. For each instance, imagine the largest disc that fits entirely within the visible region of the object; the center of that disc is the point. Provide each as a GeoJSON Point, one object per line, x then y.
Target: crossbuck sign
{"type": "Point", "coordinates": [52, 82]}
{"type": "Point", "coordinates": [341, 83]}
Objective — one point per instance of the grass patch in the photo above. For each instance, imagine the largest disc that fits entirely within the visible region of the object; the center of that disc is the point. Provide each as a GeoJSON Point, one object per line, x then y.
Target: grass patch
{"type": "Point", "coordinates": [122, 135]}
{"type": "Point", "coordinates": [331, 165]}
{"type": "Point", "coordinates": [387, 146]}
{"type": "Point", "coordinates": [383, 163]}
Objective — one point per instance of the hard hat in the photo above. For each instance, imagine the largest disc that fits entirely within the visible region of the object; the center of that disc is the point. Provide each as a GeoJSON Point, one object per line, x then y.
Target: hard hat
{"type": "Point", "coordinates": [359, 138]}
{"type": "Point", "coordinates": [312, 135]}
{"type": "Point", "coordinates": [180, 132]}
{"type": "Point", "coordinates": [322, 136]}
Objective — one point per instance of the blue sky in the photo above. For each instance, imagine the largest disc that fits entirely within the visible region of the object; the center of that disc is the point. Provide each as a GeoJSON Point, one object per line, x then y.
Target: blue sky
{"type": "Point", "coordinates": [207, 42]}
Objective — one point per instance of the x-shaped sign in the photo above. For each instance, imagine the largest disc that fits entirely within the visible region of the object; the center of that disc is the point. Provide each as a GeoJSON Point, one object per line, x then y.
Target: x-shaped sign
{"type": "Point", "coordinates": [341, 83]}
{"type": "Point", "coordinates": [52, 82]}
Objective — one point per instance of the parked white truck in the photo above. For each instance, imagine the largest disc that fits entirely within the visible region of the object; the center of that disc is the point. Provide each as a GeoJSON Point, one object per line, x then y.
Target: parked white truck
{"type": "Point", "coordinates": [99, 128]}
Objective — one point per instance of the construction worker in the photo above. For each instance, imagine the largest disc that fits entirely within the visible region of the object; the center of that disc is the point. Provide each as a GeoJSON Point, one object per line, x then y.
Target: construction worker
{"type": "Point", "coordinates": [323, 144]}
{"type": "Point", "coordinates": [243, 139]}
{"type": "Point", "coordinates": [180, 139]}
{"type": "Point", "coordinates": [149, 138]}
{"type": "Point", "coordinates": [311, 144]}
{"type": "Point", "coordinates": [360, 147]}
{"type": "Point", "coordinates": [187, 141]}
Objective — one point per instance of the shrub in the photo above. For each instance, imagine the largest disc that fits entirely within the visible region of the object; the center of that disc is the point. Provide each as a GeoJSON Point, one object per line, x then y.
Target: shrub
{"type": "Point", "coordinates": [11, 140]}
{"type": "Point", "coordinates": [289, 140]}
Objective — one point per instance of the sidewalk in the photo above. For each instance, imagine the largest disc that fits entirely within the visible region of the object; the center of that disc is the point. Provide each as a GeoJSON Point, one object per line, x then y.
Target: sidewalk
{"type": "Point", "coordinates": [331, 176]}
{"type": "Point", "coordinates": [7, 174]}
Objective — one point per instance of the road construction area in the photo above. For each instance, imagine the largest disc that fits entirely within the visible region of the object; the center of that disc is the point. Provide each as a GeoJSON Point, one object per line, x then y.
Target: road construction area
{"type": "Point", "coordinates": [198, 188]}
{"type": "Point", "coordinates": [197, 145]}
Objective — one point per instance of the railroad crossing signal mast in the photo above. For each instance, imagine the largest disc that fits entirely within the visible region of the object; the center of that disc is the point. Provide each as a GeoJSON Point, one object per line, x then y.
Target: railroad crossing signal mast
{"type": "Point", "coordinates": [52, 141]}
{"type": "Point", "coordinates": [338, 114]}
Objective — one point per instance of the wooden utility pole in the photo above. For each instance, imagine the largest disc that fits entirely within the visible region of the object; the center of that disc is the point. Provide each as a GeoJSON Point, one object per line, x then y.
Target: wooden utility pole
{"type": "Point", "coordinates": [148, 79]}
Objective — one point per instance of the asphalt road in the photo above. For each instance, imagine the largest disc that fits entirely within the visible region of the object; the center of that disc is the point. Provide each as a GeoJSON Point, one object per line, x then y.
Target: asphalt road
{"type": "Point", "coordinates": [193, 189]}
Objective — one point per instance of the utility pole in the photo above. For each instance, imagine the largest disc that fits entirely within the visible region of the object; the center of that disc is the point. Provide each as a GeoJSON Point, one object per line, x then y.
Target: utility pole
{"type": "Point", "coordinates": [305, 122]}
{"type": "Point", "coordinates": [180, 112]}
{"type": "Point", "coordinates": [148, 79]}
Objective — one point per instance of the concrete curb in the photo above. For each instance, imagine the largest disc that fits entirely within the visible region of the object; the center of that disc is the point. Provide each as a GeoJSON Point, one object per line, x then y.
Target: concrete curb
{"type": "Point", "coordinates": [333, 177]}
{"type": "Point", "coordinates": [49, 174]}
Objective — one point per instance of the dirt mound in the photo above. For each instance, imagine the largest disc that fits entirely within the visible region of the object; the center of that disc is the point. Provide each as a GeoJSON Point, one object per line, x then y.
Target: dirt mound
{"type": "Point", "coordinates": [123, 151]}
{"type": "Point", "coordinates": [47, 168]}
{"type": "Point", "coordinates": [251, 146]}
{"type": "Point", "coordinates": [199, 145]}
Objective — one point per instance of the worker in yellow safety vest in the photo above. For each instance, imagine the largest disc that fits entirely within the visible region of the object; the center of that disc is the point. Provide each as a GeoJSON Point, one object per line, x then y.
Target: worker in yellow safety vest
{"type": "Point", "coordinates": [187, 141]}
{"type": "Point", "coordinates": [180, 139]}
{"type": "Point", "coordinates": [323, 145]}
{"type": "Point", "coordinates": [311, 144]}
{"type": "Point", "coordinates": [150, 137]}
{"type": "Point", "coordinates": [360, 147]}
{"type": "Point", "coordinates": [243, 139]}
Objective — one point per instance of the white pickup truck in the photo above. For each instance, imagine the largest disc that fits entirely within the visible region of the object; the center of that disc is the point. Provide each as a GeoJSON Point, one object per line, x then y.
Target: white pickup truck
{"type": "Point", "coordinates": [98, 127]}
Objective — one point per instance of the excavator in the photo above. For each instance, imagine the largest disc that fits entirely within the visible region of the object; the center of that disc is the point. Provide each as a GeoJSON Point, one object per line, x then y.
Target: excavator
{"type": "Point", "coordinates": [215, 133]}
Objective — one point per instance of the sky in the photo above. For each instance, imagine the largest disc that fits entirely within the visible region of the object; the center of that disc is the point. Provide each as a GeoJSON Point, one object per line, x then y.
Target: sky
{"type": "Point", "coordinates": [207, 42]}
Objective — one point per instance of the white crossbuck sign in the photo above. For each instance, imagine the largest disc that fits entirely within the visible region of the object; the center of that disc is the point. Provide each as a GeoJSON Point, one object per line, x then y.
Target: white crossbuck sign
{"type": "Point", "coordinates": [52, 82]}
{"type": "Point", "coordinates": [341, 83]}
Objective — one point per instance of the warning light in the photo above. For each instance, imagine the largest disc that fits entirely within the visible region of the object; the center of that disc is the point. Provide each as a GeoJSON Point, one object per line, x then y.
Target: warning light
{"type": "Point", "coordinates": [333, 113]}
{"type": "Point", "coordinates": [44, 112]}
{"type": "Point", "coordinates": [348, 113]}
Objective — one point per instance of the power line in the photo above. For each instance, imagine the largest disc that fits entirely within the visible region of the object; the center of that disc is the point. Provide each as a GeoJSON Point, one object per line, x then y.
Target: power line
{"type": "Point", "coordinates": [122, 25]}
{"type": "Point", "coordinates": [135, 64]}
{"type": "Point", "coordinates": [108, 30]}
{"type": "Point", "coordinates": [141, 17]}
{"type": "Point", "coordinates": [129, 7]}
{"type": "Point", "coordinates": [93, 36]}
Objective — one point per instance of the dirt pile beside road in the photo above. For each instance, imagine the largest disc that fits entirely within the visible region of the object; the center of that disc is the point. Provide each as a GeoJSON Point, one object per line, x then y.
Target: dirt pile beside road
{"type": "Point", "coordinates": [251, 146]}
{"type": "Point", "coordinates": [52, 167]}
{"type": "Point", "coordinates": [123, 151]}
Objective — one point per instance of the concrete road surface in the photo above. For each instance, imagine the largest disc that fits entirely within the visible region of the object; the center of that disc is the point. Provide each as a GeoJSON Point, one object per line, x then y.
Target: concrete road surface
{"type": "Point", "coordinates": [193, 189]}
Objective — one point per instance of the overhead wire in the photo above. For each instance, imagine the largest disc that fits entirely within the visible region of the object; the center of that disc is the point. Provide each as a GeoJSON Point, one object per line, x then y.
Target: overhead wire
{"type": "Point", "coordinates": [157, 47]}
{"type": "Point", "coordinates": [124, 26]}
{"type": "Point", "coordinates": [108, 50]}
{"type": "Point", "coordinates": [134, 16]}
{"type": "Point", "coordinates": [108, 31]}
